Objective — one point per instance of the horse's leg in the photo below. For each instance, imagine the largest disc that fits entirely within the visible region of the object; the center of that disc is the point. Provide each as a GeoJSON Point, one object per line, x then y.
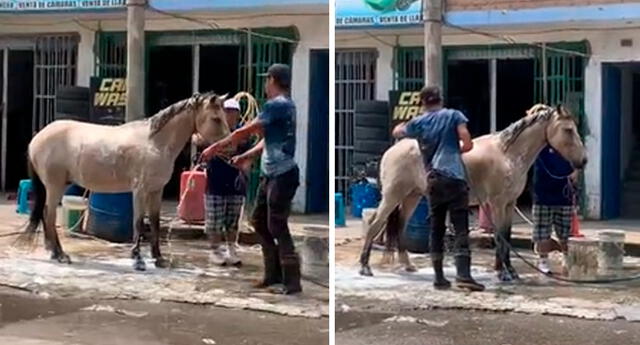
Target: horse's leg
{"type": "Point", "coordinates": [154, 204]}
{"type": "Point", "coordinates": [508, 227]}
{"type": "Point", "coordinates": [138, 226]}
{"type": "Point", "coordinates": [54, 195]}
{"type": "Point", "coordinates": [406, 211]}
{"type": "Point", "coordinates": [391, 232]}
{"type": "Point", "coordinates": [502, 239]}
{"type": "Point", "coordinates": [375, 227]}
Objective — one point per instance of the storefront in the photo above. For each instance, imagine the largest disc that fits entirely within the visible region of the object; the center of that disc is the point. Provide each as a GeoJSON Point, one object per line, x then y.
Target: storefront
{"type": "Point", "coordinates": [497, 63]}
{"type": "Point", "coordinates": [221, 46]}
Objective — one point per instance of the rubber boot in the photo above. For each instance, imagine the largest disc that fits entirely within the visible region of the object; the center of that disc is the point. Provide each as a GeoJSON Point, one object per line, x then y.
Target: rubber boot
{"type": "Point", "coordinates": [440, 282]}
{"type": "Point", "coordinates": [272, 269]}
{"type": "Point", "coordinates": [291, 274]}
{"type": "Point", "coordinates": [463, 278]}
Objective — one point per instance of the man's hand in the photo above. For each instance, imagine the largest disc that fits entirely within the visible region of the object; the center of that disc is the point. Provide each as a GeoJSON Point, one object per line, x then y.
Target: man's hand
{"type": "Point", "coordinates": [399, 131]}
{"type": "Point", "coordinates": [212, 151]}
{"type": "Point", "coordinates": [242, 162]}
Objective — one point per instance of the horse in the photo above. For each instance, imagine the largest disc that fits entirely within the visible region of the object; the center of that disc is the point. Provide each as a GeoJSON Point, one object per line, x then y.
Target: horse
{"type": "Point", "coordinates": [496, 170]}
{"type": "Point", "coordinates": [137, 156]}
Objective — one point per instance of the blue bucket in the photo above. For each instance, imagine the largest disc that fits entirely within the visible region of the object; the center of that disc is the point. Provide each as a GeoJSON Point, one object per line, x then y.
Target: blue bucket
{"type": "Point", "coordinates": [418, 230]}
{"type": "Point", "coordinates": [363, 195]}
{"type": "Point", "coordinates": [340, 212]}
{"type": "Point", "coordinates": [111, 216]}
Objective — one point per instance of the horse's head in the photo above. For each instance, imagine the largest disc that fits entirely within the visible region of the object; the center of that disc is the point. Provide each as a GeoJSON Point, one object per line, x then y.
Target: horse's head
{"type": "Point", "coordinates": [211, 119]}
{"type": "Point", "coordinates": [562, 135]}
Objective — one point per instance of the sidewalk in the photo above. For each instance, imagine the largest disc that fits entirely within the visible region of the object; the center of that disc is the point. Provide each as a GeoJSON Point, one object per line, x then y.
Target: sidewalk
{"type": "Point", "coordinates": [103, 270]}
{"type": "Point", "coordinates": [391, 288]}
{"type": "Point", "coordinates": [522, 232]}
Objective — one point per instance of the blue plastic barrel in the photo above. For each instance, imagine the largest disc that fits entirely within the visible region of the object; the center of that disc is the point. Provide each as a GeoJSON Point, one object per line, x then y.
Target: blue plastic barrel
{"type": "Point", "coordinates": [111, 216]}
{"type": "Point", "coordinates": [74, 190]}
{"type": "Point", "coordinates": [418, 230]}
{"type": "Point", "coordinates": [340, 212]}
{"type": "Point", "coordinates": [363, 195]}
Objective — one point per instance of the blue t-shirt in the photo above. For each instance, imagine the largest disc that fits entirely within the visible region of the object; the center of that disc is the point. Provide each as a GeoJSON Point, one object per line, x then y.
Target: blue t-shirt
{"type": "Point", "coordinates": [278, 117]}
{"type": "Point", "coordinates": [437, 133]}
{"type": "Point", "coordinates": [552, 186]}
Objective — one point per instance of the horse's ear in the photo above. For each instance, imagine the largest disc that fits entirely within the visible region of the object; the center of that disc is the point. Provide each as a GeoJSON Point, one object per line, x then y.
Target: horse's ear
{"type": "Point", "coordinates": [224, 97]}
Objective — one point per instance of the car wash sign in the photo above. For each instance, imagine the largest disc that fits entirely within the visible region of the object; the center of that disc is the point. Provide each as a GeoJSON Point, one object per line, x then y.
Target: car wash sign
{"type": "Point", "coordinates": [50, 5]}
{"type": "Point", "coordinates": [108, 100]}
{"type": "Point", "coordinates": [357, 13]}
{"type": "Point", "coordinates": [404, 105]}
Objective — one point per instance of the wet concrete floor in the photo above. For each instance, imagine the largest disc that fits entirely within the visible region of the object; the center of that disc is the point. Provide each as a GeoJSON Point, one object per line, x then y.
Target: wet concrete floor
{"type": "Point", "coordinates": [26, 319]}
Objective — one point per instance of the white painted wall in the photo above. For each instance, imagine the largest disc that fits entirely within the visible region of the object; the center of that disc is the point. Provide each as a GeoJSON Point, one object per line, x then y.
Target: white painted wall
{"type": "Point", "coordinates": [312, 24]}
{"type": "Point", "coordinates": [605, 46]}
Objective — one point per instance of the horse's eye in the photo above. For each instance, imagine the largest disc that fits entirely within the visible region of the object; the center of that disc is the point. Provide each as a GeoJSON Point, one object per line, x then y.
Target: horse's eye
{"type": "Point", "coordinates": [216, 119]}
{"type": "Point", "coordinates": [568, 130]}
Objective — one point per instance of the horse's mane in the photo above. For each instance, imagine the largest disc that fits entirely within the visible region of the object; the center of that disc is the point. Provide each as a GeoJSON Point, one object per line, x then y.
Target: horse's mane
{"type": "Point", "coordinates": [537, 113]}
{"type": "Point", "coordinates": [161, 118]}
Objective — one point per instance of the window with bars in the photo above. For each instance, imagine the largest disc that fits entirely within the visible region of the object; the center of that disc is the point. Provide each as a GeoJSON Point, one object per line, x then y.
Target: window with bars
{"type": "Point", "coordinates": [355, 79]}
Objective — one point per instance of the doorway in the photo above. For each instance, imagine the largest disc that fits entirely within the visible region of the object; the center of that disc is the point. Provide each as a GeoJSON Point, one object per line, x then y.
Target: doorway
{"type": "Point", "coordinates": [219, 69]}
{"type": "Point", "coordinates": [19, 114]}
{"type": "Point", "coordinates": [169, 80]}
{"type": "Point", "coordinates": [468, 90]}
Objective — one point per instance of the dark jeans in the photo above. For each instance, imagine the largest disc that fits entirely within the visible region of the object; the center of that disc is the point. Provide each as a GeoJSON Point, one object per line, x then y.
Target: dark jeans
{"type": "Point", "coordinates": [448, 195]}
{"type": "Point", "coordinates": [271, 214]}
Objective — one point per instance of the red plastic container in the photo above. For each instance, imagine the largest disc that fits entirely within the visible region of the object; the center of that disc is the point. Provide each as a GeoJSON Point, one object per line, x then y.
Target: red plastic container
{"type": "Point", "coordinates": [192, 189]}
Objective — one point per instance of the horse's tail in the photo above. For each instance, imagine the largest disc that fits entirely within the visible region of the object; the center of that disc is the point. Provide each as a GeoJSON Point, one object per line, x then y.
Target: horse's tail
{"type": "Point", "coordinates": [392, 230]}
{"type": "Point", "coordinates": [39, 196]}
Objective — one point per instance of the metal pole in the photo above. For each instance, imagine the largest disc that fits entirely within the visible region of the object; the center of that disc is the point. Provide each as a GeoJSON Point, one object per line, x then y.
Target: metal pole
{"type": "Point", "coordinates": [195, 87]}
{"type": "Point", "coordinates": [249, 74]}
{"type": "Point", "coordinates": [5, 103]}
{"type": "Point", "coordinates": [493, 81]}
{"type": "Point", "coordinates": [135, 60]}
{"type": "Point", "coordinates": [544, 74]}
{"type": "Point", "coordinates": [432, 10]}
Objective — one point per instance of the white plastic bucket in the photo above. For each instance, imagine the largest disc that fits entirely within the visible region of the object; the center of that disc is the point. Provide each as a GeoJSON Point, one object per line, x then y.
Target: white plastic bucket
{"type": "Point", "coordinates": [367, 217]}
{"type": "Point", "coordinates": [582, 258]}
{"type": "Point", "coordinates": [610, 252]}
{"type": "Point", "coordinates": [72, 208]}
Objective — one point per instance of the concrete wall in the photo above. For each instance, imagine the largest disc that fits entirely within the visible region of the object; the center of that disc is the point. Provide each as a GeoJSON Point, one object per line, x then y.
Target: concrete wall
{"type": "Point", "coordinates": [313, 27]}
{"type": "Point", "coordinates": [605, 46]}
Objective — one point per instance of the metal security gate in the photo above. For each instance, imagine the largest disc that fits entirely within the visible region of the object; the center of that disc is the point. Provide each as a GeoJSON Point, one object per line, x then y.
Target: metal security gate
{"type": "Point", "coordinates": [256, 55]}
{"type": "Point", "coordinates": [111, 54]}
{"type": "Point", "coordinates": [55, 65]}
{"type": "Point", "coordinates": [409, 68]}
{"type": "Point", "coordinates": [355, 78]}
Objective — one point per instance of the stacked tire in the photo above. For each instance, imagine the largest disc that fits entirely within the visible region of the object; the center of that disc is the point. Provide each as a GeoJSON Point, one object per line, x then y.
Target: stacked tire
{"type": "Point", "coordinates": [372, 131]}
{"type": "Point", "coordinates": [73, 103]}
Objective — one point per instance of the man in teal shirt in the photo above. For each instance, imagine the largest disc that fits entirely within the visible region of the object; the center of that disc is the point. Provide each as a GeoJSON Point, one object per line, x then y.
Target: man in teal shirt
{"type": "Point", "coordinates": [280, 180]}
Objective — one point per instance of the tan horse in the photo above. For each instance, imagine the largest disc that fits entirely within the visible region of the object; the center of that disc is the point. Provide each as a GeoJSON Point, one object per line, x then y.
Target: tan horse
{"type": "Point", "coordinates": [137, 156]}
{"type": "Point", "coordinates": [497, 174]}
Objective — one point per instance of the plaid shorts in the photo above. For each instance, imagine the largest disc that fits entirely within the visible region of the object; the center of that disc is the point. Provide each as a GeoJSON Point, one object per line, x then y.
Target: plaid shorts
{"type": "Point", "coordinates": [546, 217]}
{"type": "Point", "coordinates": [222, 213]}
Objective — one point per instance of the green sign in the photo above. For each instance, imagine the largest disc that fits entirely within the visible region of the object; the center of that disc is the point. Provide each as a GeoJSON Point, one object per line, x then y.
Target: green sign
{"type": "Point", "coordinates": [351, 13]}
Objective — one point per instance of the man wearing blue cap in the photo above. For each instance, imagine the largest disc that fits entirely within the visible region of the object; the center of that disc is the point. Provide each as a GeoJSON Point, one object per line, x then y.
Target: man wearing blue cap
{"type": "Point", "coordinates": [280, 180]}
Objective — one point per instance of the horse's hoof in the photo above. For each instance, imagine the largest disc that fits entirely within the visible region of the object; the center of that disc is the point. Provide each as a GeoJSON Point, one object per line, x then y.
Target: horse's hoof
{"type": "Point", "coordinates": [410, 268]}
{"type": "Point", "coordinates": [63, 258]}
{"type": "Point", "coordinates": [366, 271]}
{"type": "Point", "coordinates": [505, 276]}
{"type": "Point", "coordinates": [139, 265]}
{"type": "Point", "coordinates": [513, 273]}
{"type": "Point", "coordinates": [162, 262]}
